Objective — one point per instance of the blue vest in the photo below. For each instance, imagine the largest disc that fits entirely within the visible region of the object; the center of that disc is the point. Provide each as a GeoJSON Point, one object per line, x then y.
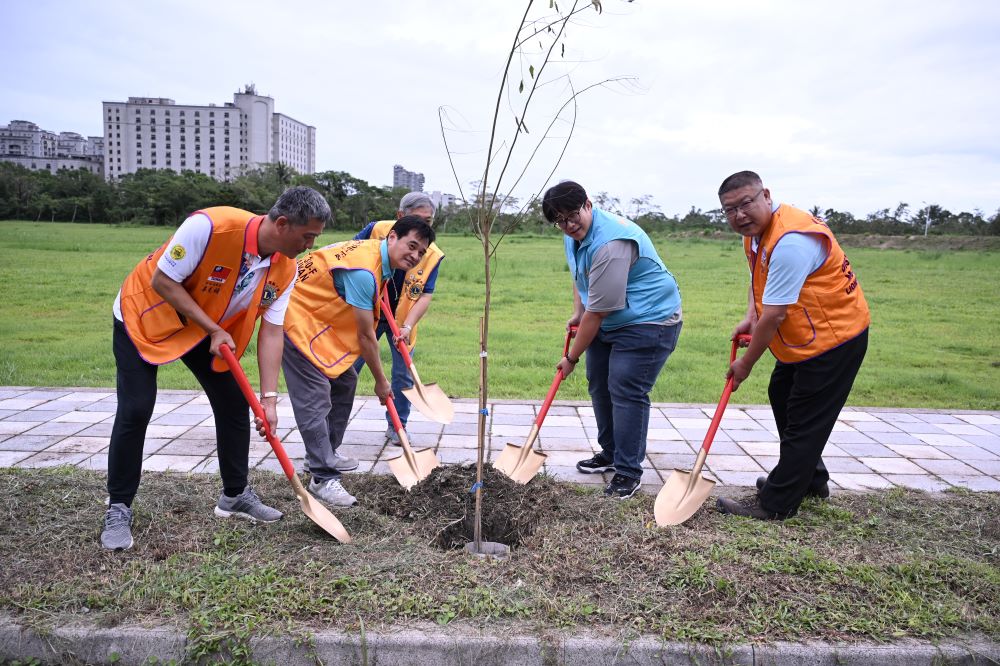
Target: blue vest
{"type": "Point", "coordinates": [651, 294]}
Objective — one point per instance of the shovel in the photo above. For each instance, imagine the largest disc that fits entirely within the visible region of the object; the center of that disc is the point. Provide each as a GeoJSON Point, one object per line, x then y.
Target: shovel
{"type": "Point", "coordinates": [429, 399]}
{"type": "Point", "coordinates": [521, 463]}
{"type": "Point", "coordinates": [316, 512]}
{"type": "Point", "coordinates": [684, 492]}
{"type": "Point", "coordinates": [413, 466]}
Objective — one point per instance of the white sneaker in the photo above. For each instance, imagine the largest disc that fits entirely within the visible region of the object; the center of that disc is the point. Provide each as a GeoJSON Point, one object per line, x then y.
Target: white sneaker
{"type": "Point", "coordinates": [344, 464]}
{"type": "Point", "coordinates": [332, 492]}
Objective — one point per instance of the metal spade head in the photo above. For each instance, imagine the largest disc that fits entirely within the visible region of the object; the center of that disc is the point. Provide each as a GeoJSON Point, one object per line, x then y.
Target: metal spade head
{"type": "Point", "coordinates": [409, 474]}
{"type": "Point", "coordinates": [678, 499]}
{"type": "Point", "coordinates": [319, 514]}
{"type": "Point", "coordinates": [519, 464]}
{"type": "Point", "coordinates": [431, 401]}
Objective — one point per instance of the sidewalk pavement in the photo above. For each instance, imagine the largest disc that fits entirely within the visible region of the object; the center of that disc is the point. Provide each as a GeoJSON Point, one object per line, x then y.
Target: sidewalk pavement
{"type": "Point", "coordinates": [870, 448]}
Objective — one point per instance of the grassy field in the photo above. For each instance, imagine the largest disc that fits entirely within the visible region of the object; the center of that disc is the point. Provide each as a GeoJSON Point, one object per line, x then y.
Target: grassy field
{"type": "Point", "coordinates": [932, 344]}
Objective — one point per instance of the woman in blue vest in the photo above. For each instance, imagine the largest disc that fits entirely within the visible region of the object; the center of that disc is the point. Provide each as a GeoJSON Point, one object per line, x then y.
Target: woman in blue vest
{"type": "Point", "coordinates": [628, 310]}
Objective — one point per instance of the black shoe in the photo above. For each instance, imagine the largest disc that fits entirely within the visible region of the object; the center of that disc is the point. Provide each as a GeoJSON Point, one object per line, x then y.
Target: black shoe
{"type": "Point", "coordinates": [748, 509]}
{"type": "Point", "coordinates": [621, 487]}
{"type": "Point", "coordinates": [822, 493]}
{"type": "Point", "coordinates": [596, 465]}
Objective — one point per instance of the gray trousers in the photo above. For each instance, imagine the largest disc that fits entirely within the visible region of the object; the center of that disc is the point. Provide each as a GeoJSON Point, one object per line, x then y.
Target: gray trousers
{"type": "Point", "coordinates": [322, 408]}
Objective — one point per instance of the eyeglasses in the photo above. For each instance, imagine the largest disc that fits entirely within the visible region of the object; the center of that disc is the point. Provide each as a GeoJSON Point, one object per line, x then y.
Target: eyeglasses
{"type": "Point", "coordinates": [743, 207]}
{"type": "Point", "coordinates": [562, 221]}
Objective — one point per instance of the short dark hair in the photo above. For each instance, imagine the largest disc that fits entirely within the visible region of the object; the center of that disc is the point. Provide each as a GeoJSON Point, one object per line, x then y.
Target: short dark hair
{"type": "Point", "coordinates": [738, 180]}
{"type": "Point", "coordinates": [408, 223]}
{"type": "Point", "coordinates": [566, 197]}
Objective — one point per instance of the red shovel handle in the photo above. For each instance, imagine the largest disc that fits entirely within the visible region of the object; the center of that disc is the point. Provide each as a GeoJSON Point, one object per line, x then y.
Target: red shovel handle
{"type": "Point", "coordinates": [550, 396]}
{"type": "Point", "coordinates": [258, 411]}
{"type": "Point", "coordinates": [400, 345]}
{"type": "Point", "coordinates": [724, 400]}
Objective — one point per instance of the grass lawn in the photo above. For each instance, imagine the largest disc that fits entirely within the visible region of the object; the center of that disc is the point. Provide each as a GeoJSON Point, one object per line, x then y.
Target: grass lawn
{"type": "Point", "coordinates": [933, 342]}
{"type": "Point", "coordinates": [879, 566]}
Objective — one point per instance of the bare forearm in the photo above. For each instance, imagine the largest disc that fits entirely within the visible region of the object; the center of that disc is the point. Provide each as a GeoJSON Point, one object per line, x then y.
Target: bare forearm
{"type": "Point", "coordinates": [270, 344]}
{"type": "Point", "coordinates": [180, 300]}
{"type": "Point", "coordinates": [417, 311]}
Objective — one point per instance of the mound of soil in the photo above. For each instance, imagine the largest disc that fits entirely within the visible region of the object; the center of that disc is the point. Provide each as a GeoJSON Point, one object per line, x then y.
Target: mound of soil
{"type": "Point", "coordinates": [443, 505]}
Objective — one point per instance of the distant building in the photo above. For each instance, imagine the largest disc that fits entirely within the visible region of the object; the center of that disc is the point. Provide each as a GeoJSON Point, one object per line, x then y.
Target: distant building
{"type": "Point", "coordinates": [411, 180]}
{"type": "Point", "coordinates": [442, 200]}
{"type": "Point", "coordinates": [25, 143]}
{"type": "Point", "coordinates": [220, 141]}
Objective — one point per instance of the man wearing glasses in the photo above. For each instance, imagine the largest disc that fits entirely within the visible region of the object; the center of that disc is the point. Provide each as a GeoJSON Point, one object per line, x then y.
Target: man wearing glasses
{"type": "Point", "coordinates": [805, 304]}
{"type": "Point", "coordinates": [628, 310]}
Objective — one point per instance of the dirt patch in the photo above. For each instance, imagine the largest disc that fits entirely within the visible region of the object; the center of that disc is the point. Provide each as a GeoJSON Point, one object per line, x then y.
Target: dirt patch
{"type": "Point", "coordinates": [442, 506]}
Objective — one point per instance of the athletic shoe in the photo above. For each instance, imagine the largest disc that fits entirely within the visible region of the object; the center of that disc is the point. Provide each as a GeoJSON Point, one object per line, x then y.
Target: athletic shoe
{"type": "Point", "coordinates": [117, 533]}
{"type": "Point", "coordinates": [621, 487]}
{"type": "Point", "coordinates": [247, 506]}
{"type": "Point", "coordinates": [343, 463]}
{"type": "Point", "coordinates": [750, 508]}
{"type": "Point", "coordinates": [822, 493]}
{"type": "Point", "coordinates": [599, 463]}
{"type": "Point", "coordinates": [392, 437]}
{"type": "Point", "coordinates": [332, 492]}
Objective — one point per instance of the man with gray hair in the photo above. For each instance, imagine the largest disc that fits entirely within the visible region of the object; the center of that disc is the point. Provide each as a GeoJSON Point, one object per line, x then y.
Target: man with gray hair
{"type": "Point", "coordinates": [204, 288]}
{"type": "Point", "coordinates": [410, 294]}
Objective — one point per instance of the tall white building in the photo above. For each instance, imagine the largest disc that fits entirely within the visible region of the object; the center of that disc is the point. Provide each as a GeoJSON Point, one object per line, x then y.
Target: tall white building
{"type": "Point", "coordinates": [27, 144]}
{"type": "Point", "coordinates": [220, 141]}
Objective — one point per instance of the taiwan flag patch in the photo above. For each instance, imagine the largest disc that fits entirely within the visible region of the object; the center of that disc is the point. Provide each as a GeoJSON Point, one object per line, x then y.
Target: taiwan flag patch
{"type": "Point", "coordinates": [219, 274]}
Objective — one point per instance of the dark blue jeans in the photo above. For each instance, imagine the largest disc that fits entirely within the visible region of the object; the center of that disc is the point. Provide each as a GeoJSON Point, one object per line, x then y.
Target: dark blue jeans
{"type": "Point", "coordinates": [400, 375]}
{"type": "Point", "coordinates": [622, 366]}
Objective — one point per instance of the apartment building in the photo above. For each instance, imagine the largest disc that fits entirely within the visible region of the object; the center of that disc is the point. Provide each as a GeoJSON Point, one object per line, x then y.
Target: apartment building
{"type": "Point", "coordinates": [219, 141]}
{"type": "Point", "coordinates": [25, 143]}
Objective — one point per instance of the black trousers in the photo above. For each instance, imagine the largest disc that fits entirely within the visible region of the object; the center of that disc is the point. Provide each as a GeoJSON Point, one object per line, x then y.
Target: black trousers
{"type": "Point", "coordinates": [136, 386]}
{"type": "Point", "coordinates": [806, 399]}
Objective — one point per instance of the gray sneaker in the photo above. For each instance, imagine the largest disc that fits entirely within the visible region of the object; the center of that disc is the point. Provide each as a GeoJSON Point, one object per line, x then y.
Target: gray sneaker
{"type": "Point", "coordinates": [343, 463]}
{"type": "Point", "coordinates": [117, 533]}
{"type": "Point", "coordinates": [332, 492]}
{"type": "Point", "coordinates": [392, 437]}
{"type": "Point", "coordinates": [248, 506]}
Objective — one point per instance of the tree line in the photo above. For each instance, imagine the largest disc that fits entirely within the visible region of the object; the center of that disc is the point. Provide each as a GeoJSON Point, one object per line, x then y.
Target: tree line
{"type": "Point", "coordinates": [164, 197]}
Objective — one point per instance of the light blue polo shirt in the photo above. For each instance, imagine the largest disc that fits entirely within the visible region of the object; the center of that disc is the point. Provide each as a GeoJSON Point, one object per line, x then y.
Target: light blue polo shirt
{"type": "Point", "coordinates": [358, 287]}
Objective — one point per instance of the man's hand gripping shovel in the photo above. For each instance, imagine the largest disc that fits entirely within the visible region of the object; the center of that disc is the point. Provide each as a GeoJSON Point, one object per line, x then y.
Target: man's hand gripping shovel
{"type": "Point", "coordinates": [316, 512]}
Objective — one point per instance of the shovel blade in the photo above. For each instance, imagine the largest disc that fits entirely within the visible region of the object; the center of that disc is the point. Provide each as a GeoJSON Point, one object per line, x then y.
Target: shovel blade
{"type": "Point", "coordinates": [431, 401]}
{"type": "Point", "coordinates": [675, 503]}
{"type": "Point", "coordinates": [521, 471]}
{"type": "Point", "coordinates": [410, 475]}
{"type": "Point", "coordinates": [319, 514]}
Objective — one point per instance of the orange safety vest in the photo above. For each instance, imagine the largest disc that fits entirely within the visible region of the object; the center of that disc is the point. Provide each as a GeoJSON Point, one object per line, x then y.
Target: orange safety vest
{"type": "Point", "coordinates": [318, 321]}
{"type": "Point", "coordinates": [160, 333]}
{"type": "Point", "coordinates": [831, 309]}
{"type": "Point", "coordinates": [413, 284]}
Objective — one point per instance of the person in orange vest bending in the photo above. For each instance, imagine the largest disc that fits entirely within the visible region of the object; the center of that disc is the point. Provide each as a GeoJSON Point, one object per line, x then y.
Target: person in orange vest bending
{"type": "Point", "coordinates": [204, 288]}
{"type": "Point", "coordinates": [410, 294]}
{"type": "Point", "coordinates": [332, 320]}
{"type": "Point", "coordinates": [805, 304]}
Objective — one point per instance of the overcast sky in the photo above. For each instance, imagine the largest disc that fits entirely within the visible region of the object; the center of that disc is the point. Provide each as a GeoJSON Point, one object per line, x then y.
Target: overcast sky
{"type": "Point", "coordinates": [855, 105]}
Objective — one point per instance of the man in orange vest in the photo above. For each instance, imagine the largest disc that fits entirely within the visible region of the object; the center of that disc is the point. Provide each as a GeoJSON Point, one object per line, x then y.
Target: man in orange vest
{"type": "Point", "coordinates": [410, 294]}
{"type": "Point", "coordinates": [204, 288]}
{"type": "Point", "coordinates": [331, 321]}
{"type": "Point", "coordinates": [806, 305]}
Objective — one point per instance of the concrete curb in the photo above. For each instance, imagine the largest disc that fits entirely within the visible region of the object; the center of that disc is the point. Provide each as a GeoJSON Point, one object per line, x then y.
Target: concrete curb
{"type": "Point", "coordinates": [461, 645]}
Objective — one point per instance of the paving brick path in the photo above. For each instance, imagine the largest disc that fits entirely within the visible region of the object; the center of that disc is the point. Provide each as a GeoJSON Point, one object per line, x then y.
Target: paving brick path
{"type": "Point", "coordinates": [870, 448]}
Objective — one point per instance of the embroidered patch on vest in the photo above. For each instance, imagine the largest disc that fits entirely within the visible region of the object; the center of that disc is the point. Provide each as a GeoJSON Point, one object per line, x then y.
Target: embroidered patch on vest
{"type": "Point", "coordinates": [269, 295]}
{"type": "Point", "coordinates": [219, 274]}
{"type": "Point", "coordinates": [413, 288]}
{"type": "Point", "coordinates": [177, 252]}
{"type": "Point", "coordinates": [763, 256]}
